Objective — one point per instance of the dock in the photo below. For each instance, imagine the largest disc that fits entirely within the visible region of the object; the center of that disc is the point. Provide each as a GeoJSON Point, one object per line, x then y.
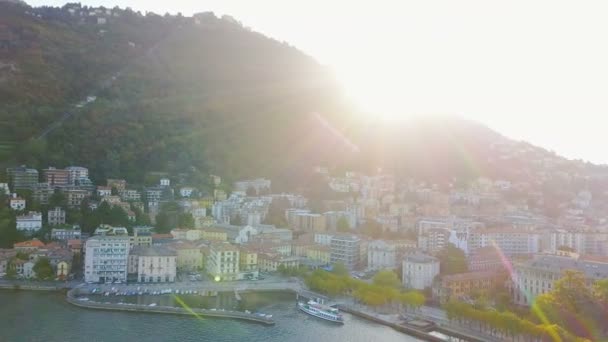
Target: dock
{"type": "Point", "coordinates": [72, 298]}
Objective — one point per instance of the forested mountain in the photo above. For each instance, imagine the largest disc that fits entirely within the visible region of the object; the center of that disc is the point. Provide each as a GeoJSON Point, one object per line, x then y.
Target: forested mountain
{"type": "Point", "coordinates": [173, 92]}
{"type": "Point", "coordinates": [205, 93]}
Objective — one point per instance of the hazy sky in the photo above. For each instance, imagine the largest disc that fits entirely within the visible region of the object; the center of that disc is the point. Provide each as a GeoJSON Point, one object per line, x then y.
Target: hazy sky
{"type": "Point", "coordinates": [532, 70]}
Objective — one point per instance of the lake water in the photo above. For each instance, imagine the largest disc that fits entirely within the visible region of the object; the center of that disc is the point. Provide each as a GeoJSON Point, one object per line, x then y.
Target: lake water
{"type": "Point", "coordinates": [43, 316]}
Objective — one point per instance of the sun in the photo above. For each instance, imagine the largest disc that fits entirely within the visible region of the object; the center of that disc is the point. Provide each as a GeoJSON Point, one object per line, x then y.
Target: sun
{"type": "Point", "coordinates": [376, 94]}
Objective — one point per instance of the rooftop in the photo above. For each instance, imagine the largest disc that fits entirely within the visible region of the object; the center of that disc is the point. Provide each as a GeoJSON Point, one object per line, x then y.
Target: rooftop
{"type": "Point", "coordinates": [152, 251]}
{"type": "Point", "coordinates": [591, 267]}
{"type": "Point", "coordinates": [421, 259]}
{"type": "Point", "coordinates": [468, 276]}
{"type": "Point", "coordinates": [31, 243]}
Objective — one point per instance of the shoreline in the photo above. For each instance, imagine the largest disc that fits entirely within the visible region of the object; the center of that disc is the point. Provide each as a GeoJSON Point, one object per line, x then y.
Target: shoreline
{"type": "Point", "coordinates": [73, 290]}
{"type": "Point", "coordinates": [33, 287]}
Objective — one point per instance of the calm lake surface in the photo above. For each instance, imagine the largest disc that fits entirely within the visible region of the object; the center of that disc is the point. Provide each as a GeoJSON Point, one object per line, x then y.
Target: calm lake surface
{"type": "Point", "coordinates": [45, 316]}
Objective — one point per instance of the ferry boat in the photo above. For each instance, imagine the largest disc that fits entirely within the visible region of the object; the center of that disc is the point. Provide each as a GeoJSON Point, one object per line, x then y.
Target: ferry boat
{"type": "Point", "coordinates": [321, 311]}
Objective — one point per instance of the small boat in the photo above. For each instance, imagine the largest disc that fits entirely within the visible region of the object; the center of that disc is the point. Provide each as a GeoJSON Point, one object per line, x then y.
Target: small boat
{"type": "Point", "coordinates": [321, 311]}
{"type": "Point", "coordinates": [153, 304]}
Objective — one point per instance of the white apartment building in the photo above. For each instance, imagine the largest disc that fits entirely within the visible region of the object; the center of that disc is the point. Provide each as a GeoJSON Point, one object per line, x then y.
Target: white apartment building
{"type": "Point", "coordinates": [381, 255]}
{"type": "Point", "coordinates": [17, 203]}
{"type": "Point", "coordinates": [32, 222]}
{"type": "Point", "coordinates": [419, 271]}
{"type": "Point", "coordinates": [257, 184]}
{"type": "Point", "coordinates": [56, 216]}
{"type": "Point", "coordinates": [433, 240]}
{"type": "Point", "coordinates": [66, 233]}
{"type": "Point", "coordinates": [153, 264]}
{"type": "Point", "coordinates": [77, 173]}
{"type": "Point", "coordinates": [510, 241]}
{"type": "Point", "coordinates": [223, 261]}
{"type": "Point", "coordinates": [323, 238]}
{"type": "Point", "coordinates": [106, 258]}
{"type": "Point", "coordinates": [346, 249]}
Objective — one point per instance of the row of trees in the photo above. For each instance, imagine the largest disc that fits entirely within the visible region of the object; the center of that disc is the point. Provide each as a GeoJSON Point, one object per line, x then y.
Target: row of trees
{"type": "Point", "coordinates": [573, 311]}
{"type": "Point", "coordinates": [505, 324]}
{"type": "Point", "coordinates": [385, 289]}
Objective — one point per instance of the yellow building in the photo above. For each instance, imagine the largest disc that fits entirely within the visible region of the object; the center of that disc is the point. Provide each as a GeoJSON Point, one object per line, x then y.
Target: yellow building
{"type": "Point", "coordinates": [189, 256]}
{"type": "Point", "coordinates": [271, 262]}
{"type": "Point", "coordinates": [206, 202]}
{"type": "Point", "coordinates": [63, 270]}
{"type": "Point", "coordinates": [248, 260]}
{"type": "Point", "coordinates": [223, 261]}
{"type": "Point", "coordinates": [211, 234]}
{"type": "Point", "coordinates": [319, 253]}
{"type": "Point", "coordinates": [300, 248]}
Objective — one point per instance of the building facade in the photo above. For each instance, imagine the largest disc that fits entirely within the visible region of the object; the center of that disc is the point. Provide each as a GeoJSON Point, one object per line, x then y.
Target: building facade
{"type": "Point", "coordinates": [381, 255]}
{"type": "Point", "coordinates": [419, 271]}
{"type": "Point", "coordinates": [223, 261]}
{"type": "Point", "coordinates": [67, 233]}
{"type": "Point", "coordinates": [153, 264]}
{"type": "Point", "coordinates": [22, 178]}
{"type": "Point", "coordinates": [345, 249]}
{"type": "Point", "coordinates": [56, 216]}
{"type": "Point", "coordinates": [30, 223]}
{"type": "Point", "coordinates": [106, 258]}
{"type": "Point", "coordinates": [462, 286]}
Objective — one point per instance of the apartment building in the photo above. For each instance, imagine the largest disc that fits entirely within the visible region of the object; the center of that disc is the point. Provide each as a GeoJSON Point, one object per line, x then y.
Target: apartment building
{"type": "Point", "coordinates": [223, 261]}
{"type": "Point", "coordinates": [56, 216]}
{"type": "Point", "coordinates": [152, 264]}
{"type": "Point", "coordinates": [419, 271]}
{"type": "Point", "coordinates": [106, 258]}
{"type": "Point", "coordinates": [345, 249]}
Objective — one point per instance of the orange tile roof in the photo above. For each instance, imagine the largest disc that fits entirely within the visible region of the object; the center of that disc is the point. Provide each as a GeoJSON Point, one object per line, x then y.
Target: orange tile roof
{"type": "Point", "coordinates": [30, 243]}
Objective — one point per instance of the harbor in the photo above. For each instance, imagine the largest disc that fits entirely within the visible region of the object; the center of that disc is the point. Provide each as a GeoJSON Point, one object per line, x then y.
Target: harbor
{"type": "Point", "coordinates": [78, 297]}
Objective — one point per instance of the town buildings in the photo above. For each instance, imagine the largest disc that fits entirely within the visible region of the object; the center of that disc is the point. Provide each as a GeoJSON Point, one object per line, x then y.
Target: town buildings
{"type": "Point", "coordinates": [433, 240]}
{"type": "Point", "coordinates": [56, 216]}
{"type": "Point", "coordinates": [419, 271]}
{"type": "Point", "coordinates": [66, 233]}
{"type": "Point", "coordinates": [56, 177]}
{"type": "Point", "coordinates": [41, 192]}
{"type": "Point", "coordinates": [29, 223]}
{"type": "Point", "coordinates": [381, 255]}
{"type": "Point", "coordinates": [152, 264]}
{"type": "Point", "coordinates": [259, 185]}
{"type": "Point", "coordinates": [189, 255]}
{"type": "Point", "coordinates": [462, 286]}
{"type": "Point", "coordinates": [271, 262]}
{"type": "Point", "coordinates": [345, 249]}
{"type": "Point", "coordinates": [22, 178]}
{"type": "Point", "coordinates": [106, 258]}
{"type": "Point", "coordinates": [486, 259]}
{"type": "Point", "coordinates": [16, 203]}
{"type": "Point", "coordinates": [538, 275]}
{"type": "Point", "coordinates": [77, 175]}
{"type": "Point", "coordinates": [223, 261]}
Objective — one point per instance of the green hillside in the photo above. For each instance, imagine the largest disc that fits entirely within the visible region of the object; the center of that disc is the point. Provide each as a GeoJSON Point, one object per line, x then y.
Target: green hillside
{"type": "Point", "coordinates": [205, 94]}
{"type": "Point", "coordinates": [208, 94]}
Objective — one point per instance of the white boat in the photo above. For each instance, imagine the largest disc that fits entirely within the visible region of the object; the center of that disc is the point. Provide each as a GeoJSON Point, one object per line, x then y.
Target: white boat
{"type": "Point", "coordinates": [321, 311]}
